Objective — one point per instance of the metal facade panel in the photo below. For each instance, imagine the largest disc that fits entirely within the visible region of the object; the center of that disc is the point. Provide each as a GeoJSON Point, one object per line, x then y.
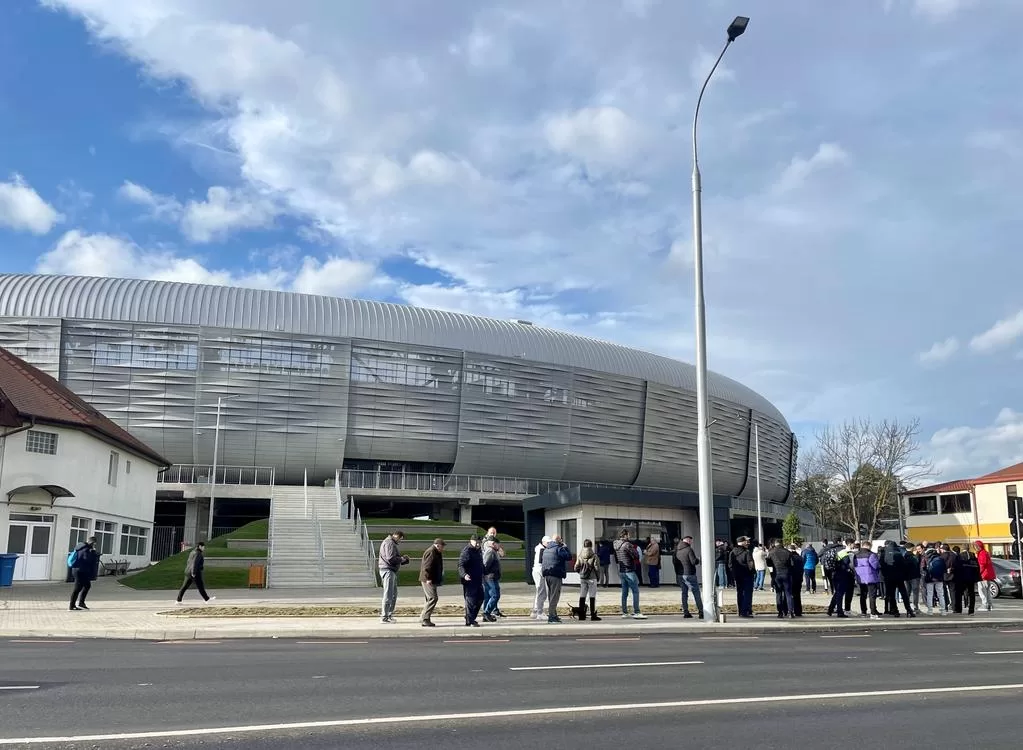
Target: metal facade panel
{"type": "Point", "coordinates": [170, 303]}
{"type": "Point", "coordinates": [775, 457]}
{"type": "Point", "coordinates": [35, 340]}
{"type": "Point", "coordinates": [514, 418]}
{"type": "Point", "coordinates": [728, 447]}
{"type": "Point", "coordinates": [669, 438]}
{"type": "Point", "coordinates": [606, 428]}
{"type": "Point", "coordinates": [403, 403]}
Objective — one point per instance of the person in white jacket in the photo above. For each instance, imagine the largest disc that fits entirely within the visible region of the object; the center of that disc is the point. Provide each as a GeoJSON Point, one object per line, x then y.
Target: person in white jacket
{"type": "Point", "coordinates": [759, 566]}
{"type": "Point", "coordinates": [540, 603]}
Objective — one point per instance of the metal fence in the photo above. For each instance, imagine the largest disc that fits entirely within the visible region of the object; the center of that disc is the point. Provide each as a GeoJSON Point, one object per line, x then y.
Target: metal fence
{"type": "Point", "coordinates": [394, 480]}
{"type": "Point", "coordinates": [201, 474]}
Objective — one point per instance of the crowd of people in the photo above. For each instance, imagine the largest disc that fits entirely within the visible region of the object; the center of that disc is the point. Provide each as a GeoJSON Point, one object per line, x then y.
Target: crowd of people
{"type": "Point", "coordinates": [943, 578]}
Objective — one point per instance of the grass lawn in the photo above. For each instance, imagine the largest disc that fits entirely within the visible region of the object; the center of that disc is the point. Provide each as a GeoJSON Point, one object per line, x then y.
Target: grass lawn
{"type": "Point", "coordinates": [170, 572]}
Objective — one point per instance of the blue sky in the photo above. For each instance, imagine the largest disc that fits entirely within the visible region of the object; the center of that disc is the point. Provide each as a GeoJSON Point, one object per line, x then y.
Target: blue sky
{"type": "Point", "coordinates": [530, 160]}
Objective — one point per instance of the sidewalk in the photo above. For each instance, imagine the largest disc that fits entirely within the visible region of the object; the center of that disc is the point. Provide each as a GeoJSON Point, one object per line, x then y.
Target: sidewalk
{"type": "Point", "coordinates": [41, 611]}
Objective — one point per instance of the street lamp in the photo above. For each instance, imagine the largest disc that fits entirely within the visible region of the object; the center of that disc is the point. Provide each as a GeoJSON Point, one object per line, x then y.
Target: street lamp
{"type": "Point", "coordinates": [213, 473]}
{"type": "Point", "coordinates": [756, 449]}
{"type": "Point", "coordinates": [705, 477]}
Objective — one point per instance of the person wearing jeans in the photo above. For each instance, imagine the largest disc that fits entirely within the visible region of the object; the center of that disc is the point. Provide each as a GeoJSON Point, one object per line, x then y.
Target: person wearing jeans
{"type": "Point", "coordinates": [628, 558]}
{"type": "Point", "coordinates": [987, 574]}
{"type": "Point", "coordinates": [759, 566]}
{"type": "Point", "coordinates": [721, 564]}
{"type": "Point", "coordinates": [932, 570]}
{"type": "Point", "coordinates": [554, 562]}
{"type": "Point", "coordinates": [491, 580]}
{"type": "Point", "coordinates": [686, 559]}
{"type": "Point", "coordinates": [389, 561]}
{"type": "Point", "coordinates": [85, 570]}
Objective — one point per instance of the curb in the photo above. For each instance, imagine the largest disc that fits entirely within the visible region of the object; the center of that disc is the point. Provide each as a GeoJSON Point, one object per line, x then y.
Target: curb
{"type": "Point", "coordinates": [458, 632]}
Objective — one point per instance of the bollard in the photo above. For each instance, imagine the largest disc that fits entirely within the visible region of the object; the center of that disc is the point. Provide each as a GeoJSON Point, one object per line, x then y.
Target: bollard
{"type": "Point", "coordinates": [721, 605]}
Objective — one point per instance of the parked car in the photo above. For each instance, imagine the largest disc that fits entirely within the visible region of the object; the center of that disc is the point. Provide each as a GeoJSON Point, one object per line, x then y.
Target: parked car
{"type": "Point", "coordinates": [1008, 581]}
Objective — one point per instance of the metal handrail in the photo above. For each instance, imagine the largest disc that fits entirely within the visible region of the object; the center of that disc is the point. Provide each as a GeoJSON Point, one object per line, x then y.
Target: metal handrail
{"type": "Point", "coordinates": [270, 548]}
{"type": "Point", "coordinates": [319, 544]}
{"type": "Point", "coordinates": [201, 473]}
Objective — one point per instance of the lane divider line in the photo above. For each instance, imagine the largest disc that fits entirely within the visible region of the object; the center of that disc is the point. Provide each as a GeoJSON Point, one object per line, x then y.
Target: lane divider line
{"type": "Point", "coordinates": [1010, 631]}
{"type": "Point", "coordinates": [605, 666]}
{"type": "Point", "coordinates": [188, 641]}
{"type": "Point", "coordinates": [19, 687]}
{"type": "Point", "coordinates": [729, 637]}
{"type": "Point", "coordinates": [482, 715]}
{"type": "Point", "coordinates": [992, 653]}
{"type": "Point", "coordinates": [857, 635]}
{"type": "Point", "coordinates": [480, 640]}
{"type": "Point", "coordinates": [39, 640]}
{"type": "Point", "coordinates": [605, 640]}
{"type": "Point", "coordinates": [951, 633]}
{"type": "Point", "coordinates": [332, 643]}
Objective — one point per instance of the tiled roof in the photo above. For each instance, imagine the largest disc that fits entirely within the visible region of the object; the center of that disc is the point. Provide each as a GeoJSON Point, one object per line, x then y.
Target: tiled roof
{"type": "Point", "coordinates": [957, 485]}
{"type": "Point", "coordinates": [27, 392]}
{"type": "Point", "coordinates": [1012, 473]}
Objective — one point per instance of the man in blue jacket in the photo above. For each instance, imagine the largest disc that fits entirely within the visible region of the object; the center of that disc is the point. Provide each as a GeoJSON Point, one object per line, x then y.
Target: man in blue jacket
{"type": "Point", "coordinates": [554, 565]}
{"type": "Point", "coordinates": [810, 561]}
{"type": "Point", "coordinates": [470, 573]}
{"type": "Point", "coordinates": [85, 570]}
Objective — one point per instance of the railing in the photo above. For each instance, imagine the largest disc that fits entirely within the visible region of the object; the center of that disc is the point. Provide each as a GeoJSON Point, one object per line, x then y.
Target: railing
{"type": "Point", "coordinates": [394, 480]}
{"type": "Point", "coordinates": [772, 509]}
{"type": "Point", "coordinates": [319, 544]}
{"type": "Point", "coordinates": [201, 473]}
{"type": "Point", "coordinates": [270, 548]}
{"type": "Point", "coordinates": [364, 542]}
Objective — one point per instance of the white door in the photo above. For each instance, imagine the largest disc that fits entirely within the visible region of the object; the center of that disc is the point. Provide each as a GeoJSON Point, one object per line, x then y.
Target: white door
{"type": "Point", "coordinates": [33, 543]}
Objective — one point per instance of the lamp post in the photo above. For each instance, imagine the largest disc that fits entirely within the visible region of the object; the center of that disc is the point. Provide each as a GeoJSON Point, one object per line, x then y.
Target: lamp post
{"type": "Point", "coordinates": [756, 451]}
{"type": "Point", "coordinates": [703, 457]}
{"type": "Point", "coordinates": [213, 473]}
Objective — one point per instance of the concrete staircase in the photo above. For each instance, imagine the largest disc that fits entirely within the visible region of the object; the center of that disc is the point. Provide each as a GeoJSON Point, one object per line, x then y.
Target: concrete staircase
{"type": "Point", "coordinates": [311, 546]}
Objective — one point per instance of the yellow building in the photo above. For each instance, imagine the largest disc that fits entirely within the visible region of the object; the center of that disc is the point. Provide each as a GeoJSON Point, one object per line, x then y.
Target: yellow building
{"type": "Point", "coordinates": [966, 510]}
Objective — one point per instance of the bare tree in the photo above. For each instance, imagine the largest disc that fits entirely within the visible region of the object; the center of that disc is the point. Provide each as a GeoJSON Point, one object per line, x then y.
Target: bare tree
{"type": "Point", "coordinates": [867, 465]}
{"type": "Point", "coordinates": [812, 490]}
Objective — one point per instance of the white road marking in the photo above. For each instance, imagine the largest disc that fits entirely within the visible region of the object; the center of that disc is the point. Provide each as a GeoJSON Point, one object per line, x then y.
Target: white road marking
{"type": "Point", "coordinates": [19, 687]}
{"type": "Point", "coordinates": [952, 633]}
{"type": "Point", "coordinates": [319, 676]}
{"type": "Point", "coordinates": [332, 643]}
{"type": "Point", "coordinates": [605, 666]}
{"type": "Point", "coordinates": [480, 640]}
{"type": "Point", "coordinates": [730, 638]}
{"type": "Point", "coordinates": [1010, 631]}
{"type": "Point", "coordinates": [41, 640]}
{"type": "Point", "coordinates": [604, 640]}
{"type": "Point", "coordinates": [992, 653]}
{"type": "Point", "coordinates": [858, 635]}
{"type": "Point", "coordinates": [483, 715]}
{"type": "Point", "coordinates": [185, 640]}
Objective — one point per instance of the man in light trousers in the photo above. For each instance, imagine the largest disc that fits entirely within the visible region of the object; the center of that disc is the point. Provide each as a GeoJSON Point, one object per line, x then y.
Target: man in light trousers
{"type": "Point", "coordinates": [389, 561]}
{"type": "Point", "coordinates": [540, 602]}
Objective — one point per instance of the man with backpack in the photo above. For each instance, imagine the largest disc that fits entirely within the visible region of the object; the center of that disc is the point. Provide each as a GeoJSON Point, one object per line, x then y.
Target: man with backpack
{"type": "Point", "coordinates": [837, 560]}
{"type": "Point", "coordinates": [84, 563]}
{"type": "Point", "coordinates": [893, 571]}
{"type": "Point", "coordinates": [932, 573]}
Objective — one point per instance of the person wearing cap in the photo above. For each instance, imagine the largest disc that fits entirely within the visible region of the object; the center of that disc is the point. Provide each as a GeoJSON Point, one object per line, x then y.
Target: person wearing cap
{"type": "Point", "coordinates": [431, 574]}
{"type": "Point", "coordinates": [743, 569]}
{"type": "Point", "coordinates": [470, 573]}
{"type": "Point", "coordinates": [540, 602]}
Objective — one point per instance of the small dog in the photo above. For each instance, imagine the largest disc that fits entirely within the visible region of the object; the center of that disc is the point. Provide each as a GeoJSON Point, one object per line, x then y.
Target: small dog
{"type": "Point", "coordinates": [575, 613]}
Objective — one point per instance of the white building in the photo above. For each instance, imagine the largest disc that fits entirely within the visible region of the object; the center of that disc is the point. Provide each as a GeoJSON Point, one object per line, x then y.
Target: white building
{"type": "Point", "coordinates": [68, 473]}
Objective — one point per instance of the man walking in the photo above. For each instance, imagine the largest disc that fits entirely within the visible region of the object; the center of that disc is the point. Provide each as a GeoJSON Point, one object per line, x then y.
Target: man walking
{"type": "Point", "coordinates": [492, 553]}
{"type": "Point", "coordinates": [389, 561]}
{"type": "Point", "coordinates": [85, 570]}
{"type": "Point", "coordinates": [431, 574]}
{"type": "Point", "coordinates": [689, 581]}
{"type": "Point", "coordinates": [742, 567]}
{"type": "Point", "coordinates": [470, 573]}
{"type": "Point", "coordinates": [194, 573]}
{"type": "Point", "coordinates": [554, 563]}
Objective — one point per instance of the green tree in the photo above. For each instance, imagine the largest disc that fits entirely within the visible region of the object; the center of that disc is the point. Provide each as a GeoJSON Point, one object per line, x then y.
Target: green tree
{"type": "Point", "coordinates": [791, 528]}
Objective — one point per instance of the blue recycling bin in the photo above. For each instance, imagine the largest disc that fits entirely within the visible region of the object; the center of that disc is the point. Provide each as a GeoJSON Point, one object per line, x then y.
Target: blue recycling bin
{"type": "Point", "coordinates": [7, 569]}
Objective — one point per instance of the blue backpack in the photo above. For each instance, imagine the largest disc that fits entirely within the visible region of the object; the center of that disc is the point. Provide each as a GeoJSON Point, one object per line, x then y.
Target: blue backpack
{"type": "Point", "coordinates": [72, 558]}
{"type": "Point", "coordinates": [936, 568]}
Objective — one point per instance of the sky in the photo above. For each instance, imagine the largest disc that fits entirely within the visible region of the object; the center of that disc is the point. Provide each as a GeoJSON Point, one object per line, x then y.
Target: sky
{"type": "Point", "coordinates": [531, 159]}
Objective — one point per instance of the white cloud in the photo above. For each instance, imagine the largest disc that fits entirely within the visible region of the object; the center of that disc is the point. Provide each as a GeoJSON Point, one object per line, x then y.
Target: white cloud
{"type": "Point", "coordinates": [800, 169]}
{"type": "Point", "coordinates": [160, 206]}
{"type": "Point", "coordinates": [598, 136]}
{"type": "Point", "coordinates": [81, 254]}
{"type": "Point", "coordinates": [225, 211]}
{"type": "Point", "coordinates": [23, 210]}
{"type": "Point", "coordinates": [941, 351]}
{"type": "Point", "coordinates": [964, 452]}
{"type": "Point", "coordinates": [941, 9]}
{"type": "Point", "coordinates": [1002, 142]}
{"type": "Point", "coordinates": [999, 336]}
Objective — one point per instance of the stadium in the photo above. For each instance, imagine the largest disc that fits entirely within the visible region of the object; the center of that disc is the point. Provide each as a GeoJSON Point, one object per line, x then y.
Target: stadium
{"type": "Point", "coordinates": [319, 387]}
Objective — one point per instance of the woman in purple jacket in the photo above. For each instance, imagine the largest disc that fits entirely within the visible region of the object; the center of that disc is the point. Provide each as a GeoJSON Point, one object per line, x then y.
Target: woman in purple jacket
{"type": "Point", "coordinates": [868, 573]}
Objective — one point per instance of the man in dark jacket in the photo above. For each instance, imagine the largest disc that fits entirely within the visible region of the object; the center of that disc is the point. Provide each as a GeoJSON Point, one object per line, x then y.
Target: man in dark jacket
{"type": "Point", "coordinates": [798, 561]}
{"type": "Point", "coordinates": [893, 571]}
{"type": "Point", "coordinates": [194, 573]}
{"type": "Point", "coordinates": [431, 574]}
{"type": "Point", "coordinates": [85, 570]}
{"type": "Point", "coordinates": [554, 564]}
{"type": "Point", "coordinates": [470, 573]}
{"type": "Point", "coordinates": [721, 564]}
{"type": "Point", "coordinates": [492, 553]}
{"type": "Point", "coordinates": [686, 561]}
{"type": "Point", "coordinates": [604, 554]}
{"type": "Point", "coordinates": [780, 561]}
{"type": "Point", "coordinates": [741, 565]}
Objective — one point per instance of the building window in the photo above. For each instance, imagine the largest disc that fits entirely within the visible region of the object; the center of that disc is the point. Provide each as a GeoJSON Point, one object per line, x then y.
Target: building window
{"type": "Point", "coordinates": [567, 530]}
{"type": "Point", "coordinates": [79, 531]}
{"type": "Point", "coordinates": [106, 531]}
{"type": "Point", "coordinates": [41, 442]}
{"type": "Point", "coordinates": [926, 505]}
{"type": "Point", "coordinates": [133, 540]}
{"type": "Point", "coordinates": [112, 469]}
{"type": "Point", "coordinates": [959, 503]}
{"type": "Point", "coordinates": [127, 467]}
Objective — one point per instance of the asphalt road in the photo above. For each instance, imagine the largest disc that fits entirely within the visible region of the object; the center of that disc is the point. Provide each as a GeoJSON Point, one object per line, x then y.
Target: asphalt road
{"type": "Point", "coordinates": [410, 689]}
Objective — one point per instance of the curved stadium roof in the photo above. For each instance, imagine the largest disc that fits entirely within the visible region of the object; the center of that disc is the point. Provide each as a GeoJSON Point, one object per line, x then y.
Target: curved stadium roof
{"type": "Point", "coordinates": [173, 303]}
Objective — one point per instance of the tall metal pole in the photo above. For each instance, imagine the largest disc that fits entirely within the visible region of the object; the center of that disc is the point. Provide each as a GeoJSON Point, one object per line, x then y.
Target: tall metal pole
{"type": "Point", "coordinates": [213, 473]}
{"type": "Point", "coordinates": [760, 516]}
{"type": "Point", "coordinates": [703, 456]}
{"type": "Point", "coordinates": [1019, 542]}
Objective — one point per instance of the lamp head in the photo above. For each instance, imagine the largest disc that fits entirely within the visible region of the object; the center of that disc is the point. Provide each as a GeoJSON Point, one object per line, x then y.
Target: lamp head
{"type": "Point", "coordinates": [737, 28]}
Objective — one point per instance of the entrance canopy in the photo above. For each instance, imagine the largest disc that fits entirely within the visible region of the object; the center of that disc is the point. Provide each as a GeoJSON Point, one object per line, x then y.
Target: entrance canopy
{"type": "Point", "coordinates": [54, 491]}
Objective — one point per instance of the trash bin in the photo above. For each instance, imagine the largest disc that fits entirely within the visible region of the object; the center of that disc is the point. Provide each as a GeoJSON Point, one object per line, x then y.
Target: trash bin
{"type": "Point", "coordinates": [257, 576]}
{"type": "Point", "coordinates": [7, 569]}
